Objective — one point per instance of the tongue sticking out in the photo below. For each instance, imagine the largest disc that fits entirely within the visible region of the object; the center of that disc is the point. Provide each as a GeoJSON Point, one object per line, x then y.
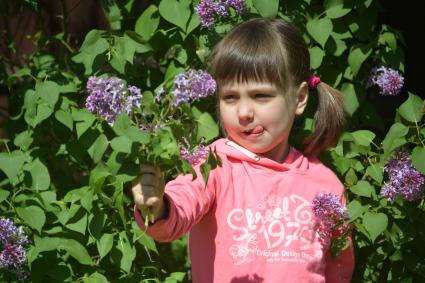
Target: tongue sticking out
{"type": "Point", "coordinates": [257, 130]}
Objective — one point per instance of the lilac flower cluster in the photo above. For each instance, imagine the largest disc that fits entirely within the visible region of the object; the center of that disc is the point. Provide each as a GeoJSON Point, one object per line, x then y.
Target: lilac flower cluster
{"type": "Point", "coordinates": [207, 9]}
{"type": "Point", "coordinates": [193, 156]}
{"type": "Point", "coordinates": [109, 97]}
{"type": "Point", "coordinates": [192, 85]}
{"type": "Point", "coordinates": [389, 81]}
{"type": "Point", "coordinates": [404, 180]}
{"type": "Point", "coordinates": [331, 215]}
{"type": "Point", "coordinates": [13, 241]}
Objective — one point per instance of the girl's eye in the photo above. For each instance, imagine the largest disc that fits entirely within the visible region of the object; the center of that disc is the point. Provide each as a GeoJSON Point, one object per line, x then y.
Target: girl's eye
{"type": "Point", "coordinates": [229, 97]}
{"type": "Point", "coordinates": [262, 96]}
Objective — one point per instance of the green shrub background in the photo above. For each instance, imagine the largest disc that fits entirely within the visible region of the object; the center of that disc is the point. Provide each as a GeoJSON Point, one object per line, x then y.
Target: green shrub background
{"type": "Point", "coordinates": [64, 173]}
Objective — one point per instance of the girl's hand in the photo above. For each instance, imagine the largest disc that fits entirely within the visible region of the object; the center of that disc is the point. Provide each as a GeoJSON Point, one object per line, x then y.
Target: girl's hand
{"type": "Point", "coordinates": [148, 193]}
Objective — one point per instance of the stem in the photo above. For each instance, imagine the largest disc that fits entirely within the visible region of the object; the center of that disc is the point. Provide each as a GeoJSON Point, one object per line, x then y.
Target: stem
{"type": "Point", "coordinates": [419, 134]}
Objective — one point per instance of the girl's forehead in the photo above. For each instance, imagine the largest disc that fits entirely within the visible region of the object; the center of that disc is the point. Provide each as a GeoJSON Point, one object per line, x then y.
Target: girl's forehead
{"type": "Point", "coordinates": [248, 85]}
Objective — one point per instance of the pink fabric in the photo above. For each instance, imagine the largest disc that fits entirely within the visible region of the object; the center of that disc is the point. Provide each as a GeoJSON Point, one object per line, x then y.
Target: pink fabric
{"type": "Point", "coordinates": [313, 81]}
{"type": "Point", "coordinates": [253, 222]}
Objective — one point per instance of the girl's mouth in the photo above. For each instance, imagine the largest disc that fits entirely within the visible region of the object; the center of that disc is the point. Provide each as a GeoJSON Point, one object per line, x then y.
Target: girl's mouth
{"type": "Point", "coordinates": [254, 132]}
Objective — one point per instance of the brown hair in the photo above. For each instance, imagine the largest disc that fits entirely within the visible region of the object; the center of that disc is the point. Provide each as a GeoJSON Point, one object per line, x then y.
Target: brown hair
{"type": "Point", "coordinates": [274, 51]}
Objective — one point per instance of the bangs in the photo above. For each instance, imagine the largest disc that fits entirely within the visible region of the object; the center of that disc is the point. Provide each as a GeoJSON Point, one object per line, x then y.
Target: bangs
{"type": "Point", "coordinates": [252, 53]}
{"type": "Point", "coordinates": [242, 67]}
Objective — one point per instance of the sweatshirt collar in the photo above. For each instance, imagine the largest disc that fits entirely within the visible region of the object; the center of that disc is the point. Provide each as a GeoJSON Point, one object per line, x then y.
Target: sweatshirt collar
{"type": "Point", "coordinates": [294, 159]}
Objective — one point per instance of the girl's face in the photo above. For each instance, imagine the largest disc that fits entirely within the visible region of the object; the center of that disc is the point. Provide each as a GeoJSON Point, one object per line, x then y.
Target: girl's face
{"type": "Point", "coordinates": [258, 117]}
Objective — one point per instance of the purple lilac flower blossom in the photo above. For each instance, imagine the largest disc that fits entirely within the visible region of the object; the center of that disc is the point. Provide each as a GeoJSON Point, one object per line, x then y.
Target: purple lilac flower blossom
{"type": "Point", "coordinates": [207, 9]}
{"type": "Point", "coordinates": [159, 94]}
{"type": "Point", "coordinates": [193, 156]}
{"type": "Point", "coordinates": [13, 241]}
{"type": "Point", "coordinates": [404, 180]}
{"type": "Point", "coordinates": [389, 81]}
{"type": "Point", "coordinates": [12, 257]}
{"type": "Point", "coordinates": [109, 97]}
{"type": "Point", "coordinates": [192, 85]}
{"type": "Point", "coordinates": [331, 215]}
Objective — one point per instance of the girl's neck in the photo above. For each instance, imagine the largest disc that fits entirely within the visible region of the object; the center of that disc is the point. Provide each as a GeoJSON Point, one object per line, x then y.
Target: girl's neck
{"type": "Point", "coordinates": [278, 154]}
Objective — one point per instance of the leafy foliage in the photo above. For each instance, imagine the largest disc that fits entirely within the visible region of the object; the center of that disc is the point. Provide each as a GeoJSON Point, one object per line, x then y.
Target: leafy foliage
{"type": "Point", "coordinates": [65, 173]}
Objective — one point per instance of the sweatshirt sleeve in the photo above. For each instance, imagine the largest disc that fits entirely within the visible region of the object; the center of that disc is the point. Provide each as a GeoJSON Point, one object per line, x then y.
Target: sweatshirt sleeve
{"type": "Point", "coordinates": [188, 201]}
{"type": "Point", "coordinates": [340, 269]}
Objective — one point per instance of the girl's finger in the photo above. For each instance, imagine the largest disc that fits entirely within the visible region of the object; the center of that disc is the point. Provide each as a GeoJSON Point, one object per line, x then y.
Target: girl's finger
{"type": "Point", "coordinates": [148, 190]}
{"type": "Point", "coordinates": [147, 168]}
{"type": "Point", "coordinates": [148, 180]}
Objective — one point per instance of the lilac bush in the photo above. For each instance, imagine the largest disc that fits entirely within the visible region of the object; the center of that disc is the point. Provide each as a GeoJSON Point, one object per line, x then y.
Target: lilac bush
{"type": "Point", "coordinates": [193, 156]}
{"type": "Point", "coordinates": [206, 10]}
{"type": "Point", "coordinates": [404, 180]}
{"type": "Point", "coordinates": [389, 81]}
{"type": "Point", "coordinates": [331, 215]}
{"type": "Point", "coordinates": [13, 242]}
{"type": "Point", "coordinates": [193, 85]}
{"type": "Point", "coordinates": [109, 97]}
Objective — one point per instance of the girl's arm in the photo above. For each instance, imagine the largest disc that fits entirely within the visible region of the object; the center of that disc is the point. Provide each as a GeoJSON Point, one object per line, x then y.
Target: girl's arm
{"type": "Point", "coordinates": [186, 201]}
{"type": "Point", "coordinates": [340, 269]}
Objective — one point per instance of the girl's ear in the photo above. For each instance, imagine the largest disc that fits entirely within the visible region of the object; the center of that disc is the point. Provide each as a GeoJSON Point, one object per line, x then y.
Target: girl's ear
{"type": "Point", "coordinates": [302, 98]}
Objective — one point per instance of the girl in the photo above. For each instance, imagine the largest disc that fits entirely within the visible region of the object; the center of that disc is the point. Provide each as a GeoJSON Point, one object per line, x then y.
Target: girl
{"type": "Point", "coordinates": [252, 221]}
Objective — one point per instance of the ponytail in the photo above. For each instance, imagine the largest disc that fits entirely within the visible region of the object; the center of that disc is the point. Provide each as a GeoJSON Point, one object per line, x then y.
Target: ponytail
{"type": "Point", "coordinates": [329, 120]}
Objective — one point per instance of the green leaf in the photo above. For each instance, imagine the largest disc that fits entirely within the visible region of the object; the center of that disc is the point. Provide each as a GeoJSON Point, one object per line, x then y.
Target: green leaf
{"type": "Point", "coordinates": [351, 102]}
{"type": "Point", "coordinates": [104, 245]}
{"type": "Point", "coordinates": [418, 158]}
{"type": "Point", "coordinates": [358, 54]}
{"type": "Point", "coordinates": [316, 56]}
{"type": "Point", "coordinates": [84, 120]}
{"type": "Point", "coordinates": [395, 137]}
{"type": "Point", "coordinates": [33, 216]}
{"type": "Point", "coordinates": [79, 226]}
{"type": "Point", "coordinates": [121, 144]}
{"type": "Point", "coordinates": [11, 163]}
{"type": "Point", "coordinates": [335, 8]}
{"type": "Point", "coordinates": [94, 43]}
{"type": "Point", "coordinates": [266, 8]}
{"type": "Point", "coordinates": [113, 13]}
{"type": "Point", "coordinates": [363, 188]}
{"type": "Point", "coordinates": [97, 222]}
{"type": "Point", "coordinates": [176, 12]}
{"type": "Point", "coordinates": [123, 127]}
{"type": "Point", "coordinates": [193, 23]}
{"type": "Point", "coordinates": [65, 118]}
{"type": "Point", "coordinates": [95, 278]}
{"type": "Point", "coordinates": [175, 277]}
{"type": "Point", "coordinates": [355, 209]}
{"type": "Point", "coordinates": [148, 22]}
{"type": "Point", "coordinates": [376, 172]}
{"type": "Point", "coordinates": [128, 251]}
{"type": "Point", "coordinates": [98, 176]}
{"type": "Point", "coordinates": [47, 91]}
{"type": "Point", "coordinates": [125, 48]}
{"type": "Point", "coordinates": [76, 250]}
{"type": "Point", "coordinates": [207, 127]}
{"type": "Point", "coordinates": [351, 177]}
{"type": "Point", "coordinates": [91, 62]}
{"type": "Point", "coordinates": [43, 112]}
{"type": "Point", "coordinates": [375, 224]}
{"type": "Point", "coordinates": [97, 149]}
{"type": "Point", "coordinates": [40, 175]}
{"type": "Point", "coordinates": [24, 139]}
{"type": "Point", "coordinates": [320, 29]}
{"type": "Point", "coordinates": [3, 195]}
{"type": "Point", "coordinates": [363, 137]}
{"type": "Point", "coordinates": [411, 109]}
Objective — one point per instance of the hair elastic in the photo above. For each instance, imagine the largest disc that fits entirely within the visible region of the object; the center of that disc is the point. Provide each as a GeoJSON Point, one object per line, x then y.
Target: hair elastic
{"type": "Point", "coordinates": [313, 81]}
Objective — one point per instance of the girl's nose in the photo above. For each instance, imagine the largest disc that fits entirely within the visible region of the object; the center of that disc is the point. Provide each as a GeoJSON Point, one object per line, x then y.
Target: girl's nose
{"type": "Point", "coordinates": [245, 113]}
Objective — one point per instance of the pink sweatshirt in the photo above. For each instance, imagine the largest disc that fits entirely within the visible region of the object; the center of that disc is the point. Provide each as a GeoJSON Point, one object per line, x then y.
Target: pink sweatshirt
{"type": "Point", "coordinates": [253, 221]}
